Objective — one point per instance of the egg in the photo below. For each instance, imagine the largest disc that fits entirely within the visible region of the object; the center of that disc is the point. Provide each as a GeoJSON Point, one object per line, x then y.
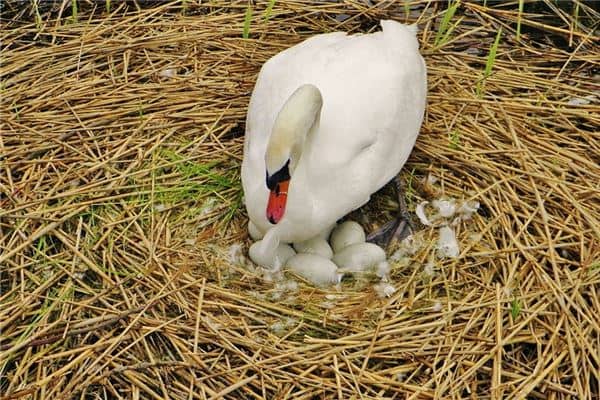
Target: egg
{"type": "Point", "coordinates": [359, 257]}
{"type": "Point", "coordinates": [283, 253]}
{"type": "Point", "coordinates": [316, 245]}
{"type": "Point", "coordinates": [254, 232]}
{"type": "Point", "coordinates": [318, 270]}
{"type": "Point", "coordinates": [345, 234]}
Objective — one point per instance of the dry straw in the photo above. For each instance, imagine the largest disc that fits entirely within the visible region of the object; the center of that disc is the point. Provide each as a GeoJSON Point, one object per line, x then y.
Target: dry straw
{"type": "Point", "coordinates": [121, 140]}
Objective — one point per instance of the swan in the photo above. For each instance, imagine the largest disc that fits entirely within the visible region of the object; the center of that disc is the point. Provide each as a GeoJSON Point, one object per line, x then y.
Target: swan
{"type": "Point", "coordinates": [330, 122]}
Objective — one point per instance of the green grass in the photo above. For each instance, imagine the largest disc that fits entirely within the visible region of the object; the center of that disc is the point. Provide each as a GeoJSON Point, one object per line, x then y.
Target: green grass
{"type": "Point", "coordinates": [269, 10]}
{"type": "Point", "coordinates": [515, 308]}
{"type": "Point", "coordinates": [141, 110]}
{"type": "Point", "coordinates": [445, 30]}
{"type": "Point", "coordinates": [235, 205]}
{"type": "Point", "coordinates": [74, 11]}
{"type": "Point", "coordinates": [16, 109]}
{"type": "Point", "coordinates": [454, 139]}
{"type": "Point", "coordinates": [38, 17]}
{"type": "Point", "coordinates": [247, 19]}
{"type": "Point", "coordinates": [406, 9]}
{"type": "Point", "coordinates": [107, 6]}
{"type": "Point", "coordinates": [409, 191]}
{"type": "Point", "coordinates": [489, 64]}
{"type": "Point", "coordinates": [50, 303]}
{"type": "Point", "coordinates": [519, 16]}
{"type": "Point", "coordinates": [197, 181]}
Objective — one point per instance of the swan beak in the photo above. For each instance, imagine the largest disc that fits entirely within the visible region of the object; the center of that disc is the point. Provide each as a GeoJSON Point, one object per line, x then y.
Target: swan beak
{"type": "Point", "coordinates": [277, 201]}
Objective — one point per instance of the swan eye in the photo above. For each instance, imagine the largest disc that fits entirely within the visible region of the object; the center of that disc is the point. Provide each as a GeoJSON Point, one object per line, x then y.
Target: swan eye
{"type": "Point", "coordinates": [283, 174]}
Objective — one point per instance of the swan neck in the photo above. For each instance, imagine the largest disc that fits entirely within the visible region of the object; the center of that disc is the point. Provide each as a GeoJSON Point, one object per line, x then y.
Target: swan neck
{"type": "Point", "coordinates": [296, 119]}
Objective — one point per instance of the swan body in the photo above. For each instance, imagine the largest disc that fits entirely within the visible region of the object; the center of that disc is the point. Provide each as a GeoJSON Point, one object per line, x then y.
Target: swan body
{"type": "Point", "coordinates": [330, 121]}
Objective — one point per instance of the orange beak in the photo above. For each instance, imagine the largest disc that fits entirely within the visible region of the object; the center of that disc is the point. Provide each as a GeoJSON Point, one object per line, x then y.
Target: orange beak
{"type": "Point", "coordinates": [277, 201]}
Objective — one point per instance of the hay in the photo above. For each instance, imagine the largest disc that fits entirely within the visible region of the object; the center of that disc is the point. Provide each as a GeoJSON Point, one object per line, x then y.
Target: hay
{"type": "Point", "coordinates": [121, 143]}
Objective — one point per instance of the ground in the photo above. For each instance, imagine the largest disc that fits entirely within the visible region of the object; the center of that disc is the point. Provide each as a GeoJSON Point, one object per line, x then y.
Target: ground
{"type": "Point", "coordinates": [121, 210]}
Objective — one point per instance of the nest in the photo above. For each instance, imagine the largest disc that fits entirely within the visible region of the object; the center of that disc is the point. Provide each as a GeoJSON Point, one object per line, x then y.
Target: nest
{"type": "Point", "coordinates": [122, 213]}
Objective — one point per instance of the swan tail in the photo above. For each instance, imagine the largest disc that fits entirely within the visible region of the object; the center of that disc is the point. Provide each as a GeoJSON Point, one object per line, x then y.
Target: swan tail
{"type": "Point", "coordinates": [402, 36]}
{"type": "Point", "coordinates": [396, 28]}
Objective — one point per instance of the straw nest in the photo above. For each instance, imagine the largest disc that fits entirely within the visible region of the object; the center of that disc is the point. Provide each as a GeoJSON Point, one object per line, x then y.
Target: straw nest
{"type": "Point", "coordinates": [122, 213]}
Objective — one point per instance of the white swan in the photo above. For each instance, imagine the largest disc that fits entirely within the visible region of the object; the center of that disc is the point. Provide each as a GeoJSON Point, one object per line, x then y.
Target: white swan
{"type": "Point", "coordinates": [330, 121]}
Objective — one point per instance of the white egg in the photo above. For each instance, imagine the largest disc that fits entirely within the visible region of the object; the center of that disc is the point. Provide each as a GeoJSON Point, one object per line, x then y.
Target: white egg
{"type": "Point", "coordinates": [317, 270]}
{"type": "Point", "coordinates": [345, 234]}
{"type": "Point", "coordinates": [316, 245]}
{"type": "Point", "coordinates": [254, 232]}
{"type": "Point", "coordinates": [359, 257]}
{"type": "Point", "coordinates": [283, 252]}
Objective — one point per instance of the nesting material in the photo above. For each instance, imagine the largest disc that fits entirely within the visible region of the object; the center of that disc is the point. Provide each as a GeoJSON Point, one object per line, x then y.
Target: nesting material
{"type": "Point", "coordinates": [284, 289]}
{"type": "Point", "coordinates": [168, 73]}
{"type": "Point", "coordinates": [446, 207]}
{"type": "Point", "coordinates": [209, 206]}
{"type": "Point", "coordinates": [583, 101]}
{"type": "Point", "coordinates": [384, 289]}
{"type": "Point", "coordinates": [467, 209]}
{"type": "Point", "coordinates": [319, 271]}
{"type": "Point", "coordinates": [429, 268]}
{"type": "Point", "coordinates": [408, 247]}
{"type": "Point", "coordinates": [236, 254]}
{"type": "Point", "coordinates": [448, 214]}
{"type": "Point", "coordinates": [441, 211]}
{"type": "Point", "coordinates": [345, 234]}
{"type": "Point", "coordinates": [447, 245]}
{"type": "Point", "coordinates": [420, 211]}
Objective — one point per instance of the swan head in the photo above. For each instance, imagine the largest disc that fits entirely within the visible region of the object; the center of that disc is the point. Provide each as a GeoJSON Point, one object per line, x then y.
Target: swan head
{"type": "Point", "coordinates": [296, 119]}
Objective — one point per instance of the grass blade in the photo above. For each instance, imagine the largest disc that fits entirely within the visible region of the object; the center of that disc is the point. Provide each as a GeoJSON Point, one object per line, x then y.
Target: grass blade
{"type": "Point", "coordinates": [521, 3]}
{"type": "Point", "coordinates": [269, 10]}
{"type": "Point", "coordinates": [247, 19]}
{"type": "Point", "coordinates": [443, 32]}
{"type": "Point", "coordinates": [74, 10]}
{"type": "Point", "coordinates": [489, 64]}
